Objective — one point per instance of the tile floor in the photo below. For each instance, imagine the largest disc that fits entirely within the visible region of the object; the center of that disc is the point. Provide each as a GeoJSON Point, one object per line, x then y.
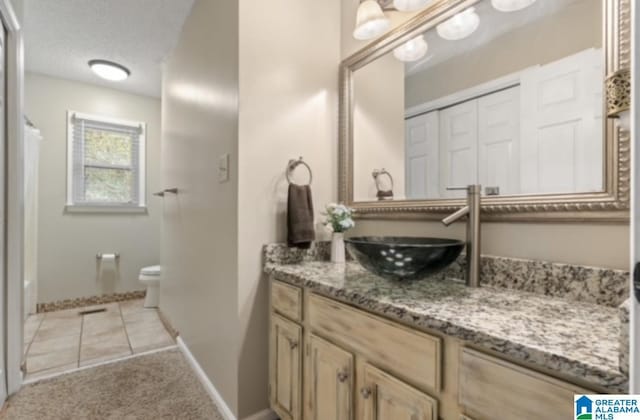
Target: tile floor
{"type": "Point", "coordinates": [64, 340]}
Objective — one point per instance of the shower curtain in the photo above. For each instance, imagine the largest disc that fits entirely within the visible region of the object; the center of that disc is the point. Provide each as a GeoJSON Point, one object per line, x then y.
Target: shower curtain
{"type": "Point", "coordinates": [32, 139]}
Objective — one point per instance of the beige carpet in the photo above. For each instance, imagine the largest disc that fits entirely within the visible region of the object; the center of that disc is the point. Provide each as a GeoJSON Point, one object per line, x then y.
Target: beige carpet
{"type": "Point", "coordinates": [156, 386]}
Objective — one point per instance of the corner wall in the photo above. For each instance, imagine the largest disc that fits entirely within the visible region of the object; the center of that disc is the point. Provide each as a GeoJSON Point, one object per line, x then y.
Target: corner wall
{"type": "Point", "coordinates": [198, 289]}
{"type": "Point", "coordinates": [68, 242]}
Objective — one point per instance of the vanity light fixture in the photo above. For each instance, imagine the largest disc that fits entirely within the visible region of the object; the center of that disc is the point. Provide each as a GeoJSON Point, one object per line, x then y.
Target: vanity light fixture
{"type": "Point", "coordinates": [370, 21]}
{"type": "Point", "coordinates": [412, 50]}
{"type": "Point", "coordinates": [410, 5]}
{"type": "Point", "coordinates": [459, 26]}
{"type": "Point", "coordinates": [511, 5]}
{"type": "Point", "coordinates": [109, 70]}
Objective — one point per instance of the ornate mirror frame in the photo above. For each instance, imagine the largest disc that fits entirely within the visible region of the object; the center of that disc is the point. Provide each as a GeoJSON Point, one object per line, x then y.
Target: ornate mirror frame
{"type": "Point", "coordinates": [611, 205]}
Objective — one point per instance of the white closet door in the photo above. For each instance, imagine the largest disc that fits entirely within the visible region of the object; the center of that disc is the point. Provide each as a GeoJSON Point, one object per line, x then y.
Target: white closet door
{"type": "Point", "coordinates": [498, 140]}
{"type": "Point", "coordinates": [422, 156]}
{"type": "Point", "coordinates": [562, 136]}
{"type": "Point", "coordinates": [458, 147]}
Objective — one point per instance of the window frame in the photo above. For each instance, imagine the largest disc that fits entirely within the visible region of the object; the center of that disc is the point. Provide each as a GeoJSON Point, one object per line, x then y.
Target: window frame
{"type": "Point", "coordinates": [98, 207]}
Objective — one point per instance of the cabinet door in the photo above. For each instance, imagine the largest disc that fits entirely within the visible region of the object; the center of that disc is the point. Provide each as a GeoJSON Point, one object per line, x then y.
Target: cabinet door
{"type": "Point", "coordinates": [383, 397]}
{"type": "Point", "coordinates": [286, 368]}
{"type": "Point", "coordinates": [329, 381]}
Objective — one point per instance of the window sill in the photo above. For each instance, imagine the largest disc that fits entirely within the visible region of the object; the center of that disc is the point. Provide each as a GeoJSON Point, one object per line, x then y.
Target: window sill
{"type": "Point", "coordinates": [71, 208]}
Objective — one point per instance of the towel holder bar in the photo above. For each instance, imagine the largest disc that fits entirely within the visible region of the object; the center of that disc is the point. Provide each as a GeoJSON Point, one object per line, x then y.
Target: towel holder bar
{"type": "Point", "coordinates": [293, 164]}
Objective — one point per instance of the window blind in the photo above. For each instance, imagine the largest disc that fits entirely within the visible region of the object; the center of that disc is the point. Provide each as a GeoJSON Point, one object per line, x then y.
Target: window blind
{"type": "Point", "coordinates": [106, 162]}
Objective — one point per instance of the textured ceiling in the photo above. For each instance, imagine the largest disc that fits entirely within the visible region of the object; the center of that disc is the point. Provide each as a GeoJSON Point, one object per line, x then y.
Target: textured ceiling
{"type": "Point", "coordinates": [61, 36]}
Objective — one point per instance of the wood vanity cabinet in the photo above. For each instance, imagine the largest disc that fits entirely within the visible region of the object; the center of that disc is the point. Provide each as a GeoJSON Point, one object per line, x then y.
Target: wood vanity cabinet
{"type": "Point", "coordinates": [330, 361]}
{"type": "Point", "coordinates": [330, 373]}
{"type": "Point", "coordinates": [285, 387]}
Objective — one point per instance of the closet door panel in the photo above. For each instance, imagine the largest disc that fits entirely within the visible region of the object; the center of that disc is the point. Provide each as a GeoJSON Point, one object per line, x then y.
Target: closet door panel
{"type": "Point", "coordinates": [422, 166]}
{"type": "Point", "coordinates": [562, 134]}
{"type": "Point", "coordinates": [458, 147]}
{"type": "Point", "coordinates": [498, 140]}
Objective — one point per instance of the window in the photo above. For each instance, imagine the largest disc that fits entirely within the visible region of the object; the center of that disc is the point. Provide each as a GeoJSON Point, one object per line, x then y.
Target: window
{"type": "Point", "coordinates": [106, 162]}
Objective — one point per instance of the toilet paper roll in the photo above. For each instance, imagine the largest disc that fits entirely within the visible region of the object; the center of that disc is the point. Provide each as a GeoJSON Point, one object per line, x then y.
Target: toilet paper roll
{"type": "Point", "coordinates": [107, 266]}
{"type": "Point", "coordinates": [108, 258]}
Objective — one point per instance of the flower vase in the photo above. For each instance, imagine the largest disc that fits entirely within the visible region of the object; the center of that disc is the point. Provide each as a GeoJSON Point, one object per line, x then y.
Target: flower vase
{"type": "Point", "coordinates": [337, 248]}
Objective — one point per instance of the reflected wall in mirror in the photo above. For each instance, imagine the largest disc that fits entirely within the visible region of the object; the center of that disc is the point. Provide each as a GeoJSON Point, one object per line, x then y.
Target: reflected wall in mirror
{"type": "Point", "coordinates": [509, 100]}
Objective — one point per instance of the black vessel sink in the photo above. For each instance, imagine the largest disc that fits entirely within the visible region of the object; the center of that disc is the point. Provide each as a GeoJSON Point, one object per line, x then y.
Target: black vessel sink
{"type": "Point", "coordinates": [404, 258]}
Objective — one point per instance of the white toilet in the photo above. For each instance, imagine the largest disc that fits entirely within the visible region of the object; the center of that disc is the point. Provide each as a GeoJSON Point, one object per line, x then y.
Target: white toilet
{"type": "Point", "coordinates": [150, 277]}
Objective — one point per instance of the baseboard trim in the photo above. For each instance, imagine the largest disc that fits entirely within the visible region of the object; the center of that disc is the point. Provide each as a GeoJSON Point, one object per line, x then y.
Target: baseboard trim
{"type": "Point", "coordinates": [208, 386]}
{"type": "Point", "coordinates": [263, 415]}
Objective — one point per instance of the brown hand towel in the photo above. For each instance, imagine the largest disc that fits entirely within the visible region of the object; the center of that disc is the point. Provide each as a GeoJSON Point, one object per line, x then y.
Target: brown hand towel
{"type": "Point", "coordinates": [300, 231]}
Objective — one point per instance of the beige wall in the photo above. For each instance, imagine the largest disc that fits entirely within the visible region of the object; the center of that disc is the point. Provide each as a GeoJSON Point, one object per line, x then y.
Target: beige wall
{"type": "Point", "coordinates": [578, 243]}
{"type": "Point", "coordinates": [540, 42]}
{"type": "Point", "coordinates": [198, 291]}
{"type": "Point", "coordinates": [213, 289]}
{"type": "Point", "coordinates": [68, 243]}
{"type": "Point", "coordinates": [289, 55]}
{"type": "Point", "coordinates": [378, 126]}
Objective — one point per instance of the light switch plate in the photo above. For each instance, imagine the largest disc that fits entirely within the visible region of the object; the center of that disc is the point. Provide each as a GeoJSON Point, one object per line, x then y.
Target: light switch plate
{"type": "Point", "coordinates": [223, 168]}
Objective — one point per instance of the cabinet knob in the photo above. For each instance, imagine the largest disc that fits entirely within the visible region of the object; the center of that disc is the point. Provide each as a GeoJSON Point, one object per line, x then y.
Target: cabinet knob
{"type": "Point", "coordinates": [294, 345]}
{"type": "Point", "coordinates": [343, 376]}
{"type": "Point", "coordinates": [365, 392]}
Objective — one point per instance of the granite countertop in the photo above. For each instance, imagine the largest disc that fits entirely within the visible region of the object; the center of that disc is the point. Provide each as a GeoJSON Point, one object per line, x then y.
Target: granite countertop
{"type": "Point", "coordinates": [578, 339]}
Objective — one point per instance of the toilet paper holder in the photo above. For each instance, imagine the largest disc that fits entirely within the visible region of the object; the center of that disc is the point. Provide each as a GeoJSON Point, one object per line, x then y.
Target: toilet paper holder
{"type": "Point", "coordinates": [100, 255]}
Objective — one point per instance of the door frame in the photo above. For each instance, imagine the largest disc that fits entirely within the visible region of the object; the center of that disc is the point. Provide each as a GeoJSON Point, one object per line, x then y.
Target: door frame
{"type": "Point", "coordinates": [13, 279]}
{"type": "Point", "coordinates": [634, 304]}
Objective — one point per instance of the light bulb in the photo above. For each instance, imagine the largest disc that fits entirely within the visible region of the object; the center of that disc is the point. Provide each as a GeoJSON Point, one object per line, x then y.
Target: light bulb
{"type": "Point", "coordinates": [459, 26]}
{"type": "Point", "coordinates": [412, 50]}
{"type": "Point", "coordinates": [370, 21]}
{"type": "Point", "coordinates": [410, 5]}
{"type": "Point", "coordinates": [511, 5]}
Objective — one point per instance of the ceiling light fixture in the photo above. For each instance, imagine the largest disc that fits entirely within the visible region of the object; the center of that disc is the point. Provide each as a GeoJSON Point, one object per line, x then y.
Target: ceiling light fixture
{"type": "Point", "coordinates": [511, 5]}
{"type": "Point", "coordinates": [410, 5]}
{"type": "Point", "coordinates": [459, 26]}
{"type": "Point", "coordinates": [370, 21]}
{"type": "Point", "coordinates": [109, 70]}
{"type": "Point", "coordinates": [412, 50]}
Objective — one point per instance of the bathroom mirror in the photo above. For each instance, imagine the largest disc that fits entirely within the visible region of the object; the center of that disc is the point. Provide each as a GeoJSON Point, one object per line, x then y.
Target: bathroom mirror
{"type": "Point", "coordinates": [474, 92]}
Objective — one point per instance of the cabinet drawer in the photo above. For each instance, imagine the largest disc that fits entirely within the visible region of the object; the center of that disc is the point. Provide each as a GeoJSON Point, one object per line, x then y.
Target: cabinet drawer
{"type": "Point", "coordinates": [491, 388]}
{"type": "Point", "coordinates": [410, 355]}
{"type": "Point", "coordinates": [287, 300]}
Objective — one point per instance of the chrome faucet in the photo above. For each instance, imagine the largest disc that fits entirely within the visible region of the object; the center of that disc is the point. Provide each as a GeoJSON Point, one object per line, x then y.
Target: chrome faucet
{"type": "Point", "coordinates": [472, 211]}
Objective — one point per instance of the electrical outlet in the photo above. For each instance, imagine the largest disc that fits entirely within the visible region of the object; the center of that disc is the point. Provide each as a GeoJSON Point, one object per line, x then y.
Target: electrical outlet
{"type": "Point", "coordinates": [223, 168]}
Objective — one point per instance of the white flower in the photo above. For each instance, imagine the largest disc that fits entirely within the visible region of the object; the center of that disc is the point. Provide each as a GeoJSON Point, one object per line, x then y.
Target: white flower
{"type": "Point", "coordinates": [346, 223]}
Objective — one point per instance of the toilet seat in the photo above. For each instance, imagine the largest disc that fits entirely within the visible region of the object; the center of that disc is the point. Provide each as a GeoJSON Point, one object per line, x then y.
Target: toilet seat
{"type": "Point", "coordinates": [153, 270]}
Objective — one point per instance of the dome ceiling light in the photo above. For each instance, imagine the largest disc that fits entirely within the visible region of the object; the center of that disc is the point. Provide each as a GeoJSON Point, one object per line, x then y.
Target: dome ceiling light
{"type": "Point", "coordinates": [109, 70]}
{"type": "Point", "coordinates": [459, 26]}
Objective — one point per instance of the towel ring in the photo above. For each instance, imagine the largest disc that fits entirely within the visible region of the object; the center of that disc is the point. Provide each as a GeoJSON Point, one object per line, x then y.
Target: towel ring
{"type": "Point", "coordinates": [293, 164]}
{"type": "Point", "coordinates": [376, 173]}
